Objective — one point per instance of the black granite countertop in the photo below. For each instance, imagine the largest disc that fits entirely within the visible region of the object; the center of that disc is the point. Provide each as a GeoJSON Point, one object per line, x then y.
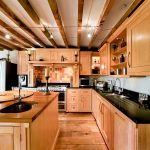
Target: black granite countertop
{"type": "Point", "coordinates": [136, 111]}
{"type": "Point", "coordinates": [128, 104]}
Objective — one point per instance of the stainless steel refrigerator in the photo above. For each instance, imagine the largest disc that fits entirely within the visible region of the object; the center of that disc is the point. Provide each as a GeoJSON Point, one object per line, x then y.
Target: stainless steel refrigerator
{"type": "Point", "coordinates": [8, 75]}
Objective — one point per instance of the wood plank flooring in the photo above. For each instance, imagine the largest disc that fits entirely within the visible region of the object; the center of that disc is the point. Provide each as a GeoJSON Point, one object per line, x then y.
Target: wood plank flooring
{"type": "Point", "coordinates": [78, 131]}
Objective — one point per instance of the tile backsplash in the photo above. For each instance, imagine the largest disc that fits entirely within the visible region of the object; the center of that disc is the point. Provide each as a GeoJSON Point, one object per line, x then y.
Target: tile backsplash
{"type": "Point", "coordinates": [137, 84]}
{"type": "Point", "coordinates": [59, 74]}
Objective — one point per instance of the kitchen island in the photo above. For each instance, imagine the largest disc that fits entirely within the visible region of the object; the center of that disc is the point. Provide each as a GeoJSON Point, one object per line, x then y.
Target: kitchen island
{"type": "Point", "coordinates": [35, 129]}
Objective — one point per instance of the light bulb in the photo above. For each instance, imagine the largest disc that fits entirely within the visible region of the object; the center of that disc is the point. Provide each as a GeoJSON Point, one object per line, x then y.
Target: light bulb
{"type": "Point", "coordinates": [51, 36]}
{"type": "Point", "coordinates": [89, 35]}
{"type": "Point", "coordinates": [7, 36]}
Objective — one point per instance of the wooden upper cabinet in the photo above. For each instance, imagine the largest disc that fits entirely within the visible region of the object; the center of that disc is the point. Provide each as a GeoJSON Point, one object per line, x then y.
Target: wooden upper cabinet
{"type": "Point", "coordinates": [85, 62]}
{"type": "Point", "coordinates": [53, 56]}
{"type": "Point", "coordinates": [58, 55]}
{"type": "Point", "coordinates": [138, 42]}
{"type": "Point", "coordinates": [118, 59]}
{"type": "Point", "coordinates": [22, 66]}
{"type": "Point", "coordinates": [104, 59]}
{"type": "Point", "coordinates": [66, 56]}
{"type": "Point", "coordinates": [43, 54]}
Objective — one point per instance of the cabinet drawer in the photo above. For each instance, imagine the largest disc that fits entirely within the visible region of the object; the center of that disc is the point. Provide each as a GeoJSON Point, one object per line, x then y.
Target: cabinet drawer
{"type": "Point", "coordinates": [72, 108]}
{"type": "Point", "coordinates": [73, 99]}
{"type": "Point", "coordinates": [72, 92]}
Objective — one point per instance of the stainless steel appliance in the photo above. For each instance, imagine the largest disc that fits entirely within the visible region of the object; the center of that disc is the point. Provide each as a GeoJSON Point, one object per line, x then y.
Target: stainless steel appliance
{"type": "Point", "coordinates": [57, 87]}
{"type": "Point", "coordinates": [22, 79]}
{"type": "Point", "coordinates": [85, 82]}
{"type": "Point", "coordinates": [8, 75]}
{"type": "Point", "coordinates": [102, 85]}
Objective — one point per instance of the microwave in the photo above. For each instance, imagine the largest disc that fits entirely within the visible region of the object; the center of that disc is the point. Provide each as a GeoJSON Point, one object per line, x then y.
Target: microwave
{"type": "Point", "coordinates": [86, 82]}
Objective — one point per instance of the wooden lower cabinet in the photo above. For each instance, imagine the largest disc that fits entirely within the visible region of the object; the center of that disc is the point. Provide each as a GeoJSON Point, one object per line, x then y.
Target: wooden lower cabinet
{"type": "Point", "coordinates": [101, 112]}
{"type": "Point", "coordinates": [40, 134]}
{"type": "Point", "coordinates": [118, 131]}
{"type": "Point", "coordinates": [95, 106]}
{"type": "Point", "coordinates": [124, 132]}
{"type": "Point", "coordinates": [105, 120]}
{"type": "Point", "coordinates": [9, 137]}
{"type": "Point", "coordinates": [78, 100]}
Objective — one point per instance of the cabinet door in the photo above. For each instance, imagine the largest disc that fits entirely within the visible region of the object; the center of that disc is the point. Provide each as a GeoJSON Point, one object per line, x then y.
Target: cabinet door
{"type": "Point", "coordinates": [104, 57]}
{"type": "Point", "coordinates": [85, 100]}
{"type": "Point", "coordinates": [43, 54]}
{"type": "Point", "coordinates": [22, 62]}
{"type": "Point", "coordinates": [31, 77]}
{"type": "Point", "coordinates": [53, 56]}
{"type": "Point", "coordinates": [85, 63]}
{"type": "Point", "coordinates": [105, 121]}
{"type": "Point", "coordinates": [138, 35]}
{"type": "Point", "coordinates": [72, 107]}
{"type": "Point", "coordinates": [94, 103]}
{"type": "Point", "coordinates": [9, 138]}
{"type": "Point", "coordinates": [66, 56]}
{"type": "Point", "coordinates": [72, 100]}
{"type": "Point", "coordinates": [123, 133]}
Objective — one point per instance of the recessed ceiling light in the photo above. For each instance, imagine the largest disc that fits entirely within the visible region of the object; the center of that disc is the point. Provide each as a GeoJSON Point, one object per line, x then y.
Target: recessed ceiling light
{"type": "Point", "coordinates": [51, 36]}
{"type": "Point", "coordinates": [7, 36]}
{"type": "Point", "coordinates": [89, 35]}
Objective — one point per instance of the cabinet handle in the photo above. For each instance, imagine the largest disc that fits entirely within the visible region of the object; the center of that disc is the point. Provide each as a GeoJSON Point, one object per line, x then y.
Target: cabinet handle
{"type": "Point", "coordinates": [100, 107]}
{"type": "Point", "coordinates": [129, 65]}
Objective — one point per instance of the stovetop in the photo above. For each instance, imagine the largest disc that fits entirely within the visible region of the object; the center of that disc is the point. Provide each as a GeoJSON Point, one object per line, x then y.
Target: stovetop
{"type": "Point", "coordinates": [58, 87]}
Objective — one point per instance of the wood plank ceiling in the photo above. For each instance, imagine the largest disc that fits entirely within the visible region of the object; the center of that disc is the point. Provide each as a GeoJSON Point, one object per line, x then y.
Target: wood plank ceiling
{"type": "Point", "coordinates": [59, 23]}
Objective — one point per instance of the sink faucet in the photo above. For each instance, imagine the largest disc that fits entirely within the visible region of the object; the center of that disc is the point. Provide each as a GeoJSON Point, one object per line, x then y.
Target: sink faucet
{"type": "Point", "coordinates": [119, 89]}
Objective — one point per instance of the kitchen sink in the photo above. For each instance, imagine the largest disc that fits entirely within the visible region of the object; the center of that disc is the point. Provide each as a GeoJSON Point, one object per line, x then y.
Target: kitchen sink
{"type": "Point", "coordinates": [18, 107]}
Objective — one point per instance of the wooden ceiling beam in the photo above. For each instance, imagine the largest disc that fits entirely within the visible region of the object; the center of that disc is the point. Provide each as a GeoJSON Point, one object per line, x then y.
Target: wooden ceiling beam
{"type": "Point", "coordinates": [107, 7]}
{"type": "Point", "coordinates": [132, 8]}
{"type": "Point", "coordinates": [54, 8]}
{"type": "Point", "coordinates": [12, 31]}
{"type": "Point", "coordinates": [28, 8]}
{"type": "Point", "coordinates": [11, 40]}
{"type": "Point", "coordinates": [8, 44]}
{"type": "Point", "coordinates": [80, 13]}
{"type": "Point", "coordinates": [5, 47]}
{"type": "Point", "coordinates": [8, 12]}
{"type": "Point", "coordinates": [8, 41]}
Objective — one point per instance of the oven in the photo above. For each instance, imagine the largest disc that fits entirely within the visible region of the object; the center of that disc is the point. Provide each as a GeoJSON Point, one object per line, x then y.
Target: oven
{"type": "Point", "coordinates": [58, 87]}
{"type": "Point", "coordinates": [62, 101]}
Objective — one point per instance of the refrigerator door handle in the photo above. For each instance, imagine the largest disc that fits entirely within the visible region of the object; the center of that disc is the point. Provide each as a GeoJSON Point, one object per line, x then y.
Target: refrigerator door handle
{"type": "Point", "coordinates": [2, 76]}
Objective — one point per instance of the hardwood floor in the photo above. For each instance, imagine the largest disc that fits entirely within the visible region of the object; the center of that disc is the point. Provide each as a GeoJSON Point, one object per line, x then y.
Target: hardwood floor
{"type": "Point", "coordinates": [78, 131]}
